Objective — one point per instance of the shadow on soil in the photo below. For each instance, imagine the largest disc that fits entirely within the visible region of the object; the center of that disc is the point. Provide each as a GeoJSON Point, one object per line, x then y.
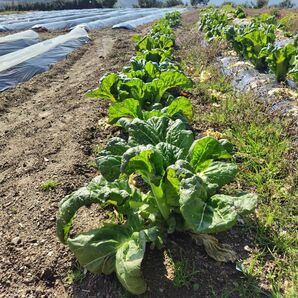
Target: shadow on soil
{"type": "Point", "coordinates": [181, 270]}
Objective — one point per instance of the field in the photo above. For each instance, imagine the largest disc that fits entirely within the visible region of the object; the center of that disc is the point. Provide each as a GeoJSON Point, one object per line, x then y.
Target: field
{"type": "Point", "coordinates": [51, 132]}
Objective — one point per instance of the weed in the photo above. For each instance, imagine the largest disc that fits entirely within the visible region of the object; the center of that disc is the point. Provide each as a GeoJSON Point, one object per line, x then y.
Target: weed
{"type": "Point", "coordinates": [265, 152]}
{"type": "Point", "coordinates": [76, 275]}
{"type": "Point", "coordinates": [183, 271]}
{"type": "Point", "coordinates": [49, 184]}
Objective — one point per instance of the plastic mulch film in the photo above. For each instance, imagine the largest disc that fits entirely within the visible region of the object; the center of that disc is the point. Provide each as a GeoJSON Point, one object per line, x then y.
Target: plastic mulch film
{"type": "Point", "coordinates": [22, 65]}
{"type": "Point", "coordinates": [111, 21]}
{"type": "Point", "coordinates": [15, 42]}
{"type": "Point", "coordinates": [59, 19]}
{"type": "Point", "coordinates": [42, 15]}
{"type": "Point", "coordinates": [132, 24]}
{"type": "Point", "coordinates": [70, 23]}
{"type": "Point", "coordinates": [66, 24]}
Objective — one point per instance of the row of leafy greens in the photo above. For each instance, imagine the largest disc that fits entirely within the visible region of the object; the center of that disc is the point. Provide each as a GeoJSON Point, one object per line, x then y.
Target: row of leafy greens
{"type": "Point", "coordinates": [255, 41]}
{"type": "Point", "coordinates": [181, 177]}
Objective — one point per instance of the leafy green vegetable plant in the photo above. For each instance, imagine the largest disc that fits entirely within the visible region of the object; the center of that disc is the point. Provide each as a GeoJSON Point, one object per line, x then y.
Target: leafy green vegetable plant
{"type": "Point", "coordinates": [182, 177]}
{"type": "Point", "coordinates": [118, 87]}
{"type": "Point", "coordinates": [279, 60]}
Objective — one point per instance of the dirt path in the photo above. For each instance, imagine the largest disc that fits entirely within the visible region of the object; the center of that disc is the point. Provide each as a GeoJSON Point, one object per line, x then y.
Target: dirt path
{"type": "Point", "coordinates": [47, 128]}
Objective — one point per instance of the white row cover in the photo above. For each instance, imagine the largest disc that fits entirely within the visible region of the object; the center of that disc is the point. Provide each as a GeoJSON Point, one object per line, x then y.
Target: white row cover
{"type": "Point", "coordinates": [22, 65]}
{"type": "Point", "coordinates": [40, 15]}
{"type": "Point", "coordinates": [25, 24]}
{"type": "Point", "coordinates": [70, 23]}
{"type": "Point", "coordinates": [92, 18]}
{"type": "Point", "coordinates": [17, 41]}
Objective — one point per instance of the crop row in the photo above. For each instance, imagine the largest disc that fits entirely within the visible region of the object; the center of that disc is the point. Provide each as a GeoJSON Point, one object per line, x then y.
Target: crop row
{"type": "Point", "coordinates": [255, 41]}
{"type": "Point", "coordinates": [159, 178]}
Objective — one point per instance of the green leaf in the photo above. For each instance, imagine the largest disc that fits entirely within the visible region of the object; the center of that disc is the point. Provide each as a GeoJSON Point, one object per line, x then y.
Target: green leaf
{"type": "Point", "coordinates": [144, 160]}
{"type": "Point", "coordinates": [171, 187]}
{"type": "Point", "coordinates": [98, 191]}
{"type": "Point", "coordinates": [133, 88]}
{"type": "Point", "coordinates": [109, 160]}
{"type": "Point", "coordinates": [171, 79]}
{"type": "Point", "coordinates": [147, 132]}
{"type": "Point", "coordinates": [107, 88]}
{"type": "Point", "coordinates": [179, 136]}
{"type": "Point", "coordinates": [180, 105]}
{"type": "Point", "coordinates": [218, 174]}
{"type": "Point", "coordinates": [160, 198]}
{"type": "Point", "coordinates": [216, 214]}
{"type": "Point", "coordinates": [160, 129]}
{"type": "Point", "coordinates": [170, 153]}
{"type": "Point", "coordinates": [129, 258]}
{"type": "Point", "coordinates": [244, 203]}
{"type": "Point", "coordinates": [128, 108]}
{"type": "Point", "coordinates": [204, 151]}
{"type": "Point", "coordinates": [96, 250]}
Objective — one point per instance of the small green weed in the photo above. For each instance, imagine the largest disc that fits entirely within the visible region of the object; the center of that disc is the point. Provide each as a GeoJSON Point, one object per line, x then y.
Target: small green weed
{"type": "Point", "coordinates": [76, 275]}
{"type": "Point", "coordinates": [49, 184]}
{"type": "Point", "coordinates": [184, 272]}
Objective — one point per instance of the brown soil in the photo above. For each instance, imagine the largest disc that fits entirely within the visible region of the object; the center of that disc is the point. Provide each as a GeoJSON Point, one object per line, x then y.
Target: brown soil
{"type": "Point", "coordinates": [47, 131]}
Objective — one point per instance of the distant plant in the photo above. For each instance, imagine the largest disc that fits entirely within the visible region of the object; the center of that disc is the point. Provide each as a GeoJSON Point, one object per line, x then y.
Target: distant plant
{"type": "Point", "coordinates": [106, 3]}
{"type": "Point", "coordinates": [261, 3]}
{"type": "Point", "coordinates": [286, 4]}
{"type": "Point", "coordinates": [197, 2]}
{"type": "Point", "coordinates": [228, 3]}
{"type": "Point", "coordinates": [170, 3]}
{"type": "Point", "coordinates": [150, 3]}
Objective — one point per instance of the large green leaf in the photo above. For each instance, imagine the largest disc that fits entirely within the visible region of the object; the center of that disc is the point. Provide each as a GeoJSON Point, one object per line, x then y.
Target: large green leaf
{"type": "Point", "coordinates": [132, 88]}
{"type": "Point", "coordinates": [171, 79]}
{"type": "Point", "coordinates": [180, 105]}
{"type": "Point", "coordinates": [109, 160]}
{"type": "Point", "coordinates": [129, 108]}
{"type": "Point", "coordinates": [170, 153]}
{"type": "Point", "coordinates": [218, 174]}
{"type": "Point", "coordinates": [144, 160]}
{"type": "Point", "coordinates": [216, 214]}
{"type": "Point", "coordinates": [147, 132]}
{"type": "Point", "coordinates": [96, 250]}
{"type": "Point", "coordinates": [204, 151]}
{"type": "Point", "coordinates": [107, 88]}
{"type": "Point", "coordinates": [160, 129]}
{"type": "Point", "coordinates": [98, 191]}
{"type": "Point", "coordinates": [129, 258]}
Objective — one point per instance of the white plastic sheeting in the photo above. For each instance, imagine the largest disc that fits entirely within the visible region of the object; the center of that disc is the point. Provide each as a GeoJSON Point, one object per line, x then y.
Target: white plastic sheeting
{"type": "Point", "coordinates": [28, 24]}
{"type": "Point", "coordinates": [128, 18]}
{"type": "Point", "coordinates": [41, 15]}
{"type": "Point", "coordinates": [14, 42]}
{"type": "Point", "coordinates": [74, 21]}
{"type": "Point", "coordinates": [22, 65]}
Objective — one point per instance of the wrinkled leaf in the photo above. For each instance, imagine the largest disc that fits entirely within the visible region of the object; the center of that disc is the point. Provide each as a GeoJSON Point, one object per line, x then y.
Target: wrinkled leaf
{"type": "Point", "coordinates": [129, 258]}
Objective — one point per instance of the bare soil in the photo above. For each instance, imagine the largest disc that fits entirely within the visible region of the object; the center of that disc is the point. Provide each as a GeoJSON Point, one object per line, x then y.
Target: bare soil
{"type": "Point", "coordinates": [47, 131]}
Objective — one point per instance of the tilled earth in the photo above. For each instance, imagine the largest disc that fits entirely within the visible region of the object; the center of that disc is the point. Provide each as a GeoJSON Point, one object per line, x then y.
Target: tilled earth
{"type": "Point", "coordinates": [48, 129]}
